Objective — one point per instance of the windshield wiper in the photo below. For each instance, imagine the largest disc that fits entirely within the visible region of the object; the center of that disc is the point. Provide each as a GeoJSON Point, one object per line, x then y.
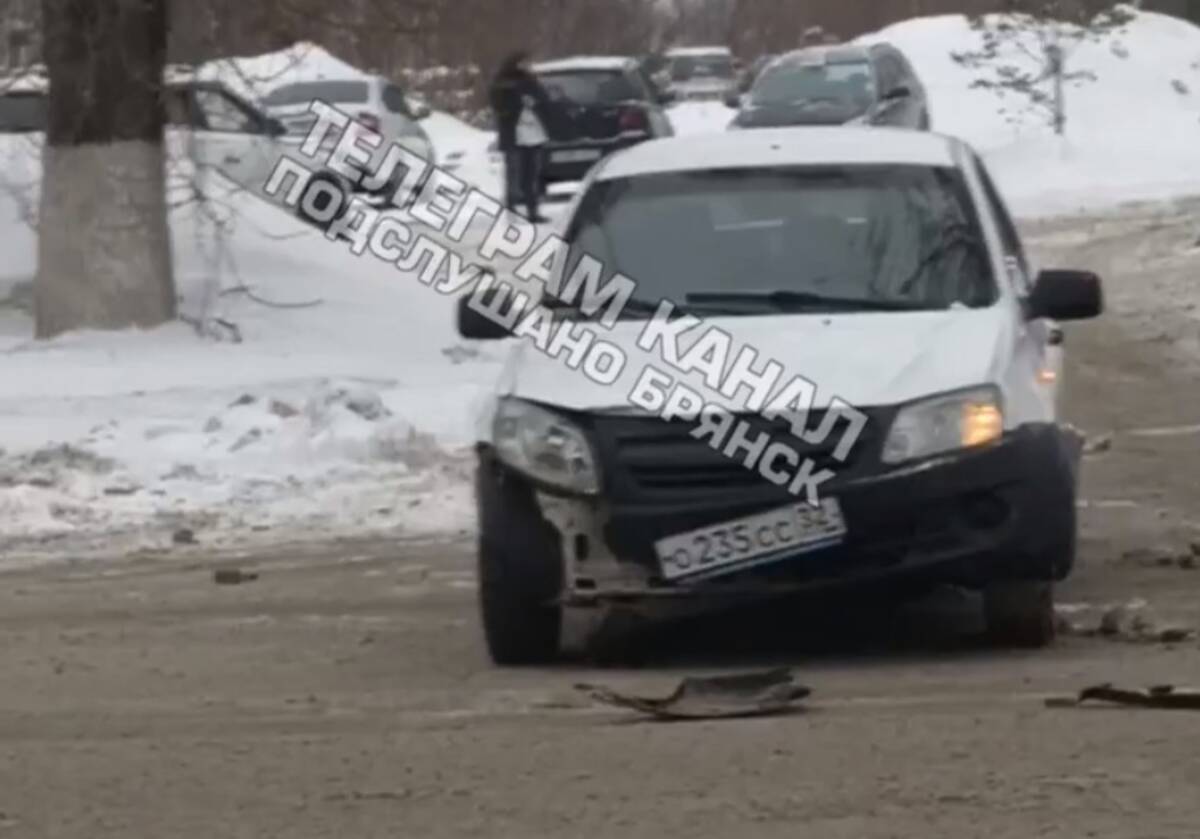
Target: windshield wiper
{"type": "Point", "coordinates": [637, 306]}
{"type": "Point", "coordinates": [956, 236]}
{"type": "Point", "coordinates": [786, 299]}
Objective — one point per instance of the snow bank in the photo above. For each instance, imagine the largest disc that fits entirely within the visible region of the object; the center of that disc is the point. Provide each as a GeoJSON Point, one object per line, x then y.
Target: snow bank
{"type": "Point", "coordinates": [1132, 134]}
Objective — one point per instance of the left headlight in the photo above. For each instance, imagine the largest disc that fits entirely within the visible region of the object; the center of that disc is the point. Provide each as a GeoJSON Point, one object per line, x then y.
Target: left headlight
{"type": "Point", "coordinates": [962, 420]}
{"type": "Point", "coordinates": [545, 446]}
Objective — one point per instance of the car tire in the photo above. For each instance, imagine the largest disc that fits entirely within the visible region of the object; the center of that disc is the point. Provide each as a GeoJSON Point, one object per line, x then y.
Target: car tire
{"type": "Point", "coordinates": [1020, 614]}
{"type": "Point", "coordinates": [323, 178]}
{"type": "Point", "coordinates": [520, 629]}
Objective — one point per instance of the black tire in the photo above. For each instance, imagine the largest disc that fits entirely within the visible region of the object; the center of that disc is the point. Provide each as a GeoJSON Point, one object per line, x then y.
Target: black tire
{"type": "Point", "coordinates": [520, 629]}
{"type": "Point", "coordinates": [1020, 613]}
{"type": "Point", "coordinates": [318, 220]}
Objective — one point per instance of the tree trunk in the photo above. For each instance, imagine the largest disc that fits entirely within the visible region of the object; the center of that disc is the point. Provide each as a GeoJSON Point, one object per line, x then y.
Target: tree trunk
{"type": "Point", "coordinates": [104, 247]}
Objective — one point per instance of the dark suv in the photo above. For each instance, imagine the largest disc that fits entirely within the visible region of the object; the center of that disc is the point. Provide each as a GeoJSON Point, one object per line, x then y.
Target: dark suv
{"type": "Point", "coordinates": [601, 105]}
{"type": "Point", "coordinates": [835, 85]}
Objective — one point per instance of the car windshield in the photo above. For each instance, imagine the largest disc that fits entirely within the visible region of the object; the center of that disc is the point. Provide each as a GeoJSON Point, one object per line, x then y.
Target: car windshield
{"type": "Point", "coordinates": [22, 112]}
{"type": "Point", "coordinates": [588, 87]}
{"type": "Point", "coordinates": [687, 67]}
{"type": "Point", "coordinates": [791, 83]}
{"type": "Point", "coordinates": [301, 93]}
{"type": "Point", "coordinates": [802, 239]}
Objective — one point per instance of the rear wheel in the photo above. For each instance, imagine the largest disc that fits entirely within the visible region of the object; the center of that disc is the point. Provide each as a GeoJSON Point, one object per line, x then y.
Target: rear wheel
{"type": "Point", "coordinates": [1020, 613]}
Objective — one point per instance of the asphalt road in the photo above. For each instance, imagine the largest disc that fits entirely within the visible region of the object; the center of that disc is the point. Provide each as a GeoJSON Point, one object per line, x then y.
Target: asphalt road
{"type": "Point", "coordinates": [345, 692]}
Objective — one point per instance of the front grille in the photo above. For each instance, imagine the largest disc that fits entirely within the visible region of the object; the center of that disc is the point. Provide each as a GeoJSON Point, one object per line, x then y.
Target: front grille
{"type": "Point", "coordinates": [647, 456]}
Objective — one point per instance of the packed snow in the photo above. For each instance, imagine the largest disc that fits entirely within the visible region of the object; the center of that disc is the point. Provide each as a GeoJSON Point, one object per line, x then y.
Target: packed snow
{"type": "Point", "coordinates": [328, 394]}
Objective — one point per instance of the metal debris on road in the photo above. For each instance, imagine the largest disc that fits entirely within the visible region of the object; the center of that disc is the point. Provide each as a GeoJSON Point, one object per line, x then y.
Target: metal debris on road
{"type": "Point", "coordinates": [1160, 696]}
{"type": "Point", "coordinates": [233, 576]}
{"type": "Point", "coordinates": [714, 697]}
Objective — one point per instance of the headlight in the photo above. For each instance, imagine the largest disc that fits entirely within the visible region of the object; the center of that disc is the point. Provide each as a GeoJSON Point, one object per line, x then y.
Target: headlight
{"type": "Point", "coordinates": [545, 446]}
{"type": "Point", "coordinates": [956, 421]}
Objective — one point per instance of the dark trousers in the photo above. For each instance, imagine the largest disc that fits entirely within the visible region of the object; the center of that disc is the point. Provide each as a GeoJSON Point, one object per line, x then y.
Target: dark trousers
{"type": "Point", "coordinates": [523, 178]}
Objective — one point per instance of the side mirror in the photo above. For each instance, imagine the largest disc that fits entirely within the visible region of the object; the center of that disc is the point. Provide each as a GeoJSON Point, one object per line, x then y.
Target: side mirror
{"type": "Point", "coordinates": [275, 127]}
{"type": "Point", "coordinates": [473, 325]}
{"type": "Point", "coordinates": [733, 100]}
{"type": "Point", "coordinates": [1065, 295]}
{"type": "Point", "coordinates": [900, 92]}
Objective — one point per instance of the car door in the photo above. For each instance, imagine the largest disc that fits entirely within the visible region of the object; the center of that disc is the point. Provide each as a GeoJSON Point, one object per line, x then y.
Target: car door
{"type": "Point", "coordinates": [660, 123]}
{"type": "Point", "coordinates": [916, 106]}
{"type": "Point", "coordinates": [1040, 350]}
{"type": "Point", "coordinates": [890, 111]}
{"type": "Point", "coordinates": [234, 137]}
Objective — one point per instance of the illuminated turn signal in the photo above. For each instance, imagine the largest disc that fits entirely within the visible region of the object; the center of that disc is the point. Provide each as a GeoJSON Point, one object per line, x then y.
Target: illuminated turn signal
{"type": "Point", "coordinates": [982, 423]}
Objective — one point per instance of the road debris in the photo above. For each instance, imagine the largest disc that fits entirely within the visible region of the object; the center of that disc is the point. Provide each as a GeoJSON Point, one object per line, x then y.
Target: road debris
{"type": "Point", "coordinates": [1130, 622]}
{"type": "Point", "coordinates": [233, 576]}
{"type": "Point", "coordinates": [714, 697]}
{"type": "Point", "coordinates": [1160, 696]}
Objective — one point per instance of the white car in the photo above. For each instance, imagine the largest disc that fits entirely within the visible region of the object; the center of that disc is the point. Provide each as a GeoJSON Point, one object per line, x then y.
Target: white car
{"type": "Point", "coordinates": [375, 103]}
{"type": "Point", "coordinates": [701, 73]}
{"type": "Point", "coordinates": [207, 123]}
{"type": "Point", "coordinates": [874, 271]}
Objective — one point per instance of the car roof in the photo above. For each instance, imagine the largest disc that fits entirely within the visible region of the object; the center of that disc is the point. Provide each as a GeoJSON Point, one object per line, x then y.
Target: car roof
{"type": "Point", "coordinates": [681, 52]}
{"type": "Point", "coordinates": [585, 63]}
{"type": "Point", "coordinates": [794, 146]}
{"type": "Point", "coordinates": [825, 54]}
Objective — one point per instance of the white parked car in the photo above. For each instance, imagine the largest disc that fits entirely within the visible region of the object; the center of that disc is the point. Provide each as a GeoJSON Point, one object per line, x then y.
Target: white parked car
{"type": "Point", "coordinates": [879, 266]}
{"type": "Point", "coordinates": [702, 73]}
{"type": "Point", "coordinates": [207, 123]}
{"type": "Point", "coordinates": [376, 103]}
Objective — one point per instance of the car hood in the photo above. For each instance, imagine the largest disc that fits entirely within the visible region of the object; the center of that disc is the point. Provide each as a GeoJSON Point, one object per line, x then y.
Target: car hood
{"type": "Point", "coordinates": [869, 359]}
{"type": "Point", "coordinates": [801, 113]}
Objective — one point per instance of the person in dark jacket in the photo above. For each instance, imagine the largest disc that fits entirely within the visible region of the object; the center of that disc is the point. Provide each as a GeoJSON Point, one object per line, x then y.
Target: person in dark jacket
{"type": "Point", "coordinates": [521, 105]}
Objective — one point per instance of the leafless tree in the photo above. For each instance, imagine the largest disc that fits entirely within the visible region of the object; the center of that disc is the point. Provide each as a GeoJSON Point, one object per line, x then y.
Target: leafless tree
{"type": "Point", "coordinates": [1027, 48]}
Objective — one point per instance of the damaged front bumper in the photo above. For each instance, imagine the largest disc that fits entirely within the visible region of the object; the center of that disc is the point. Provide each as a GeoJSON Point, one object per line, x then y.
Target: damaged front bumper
{"type": "Point", "coordinates": [1003, 512]}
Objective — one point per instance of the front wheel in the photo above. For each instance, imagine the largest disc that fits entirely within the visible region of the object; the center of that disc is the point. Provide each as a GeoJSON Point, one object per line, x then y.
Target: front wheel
{"type": "Point", "coordinates": [1020, 614]}
{"type": "Point", "coordinates": [520, 629]}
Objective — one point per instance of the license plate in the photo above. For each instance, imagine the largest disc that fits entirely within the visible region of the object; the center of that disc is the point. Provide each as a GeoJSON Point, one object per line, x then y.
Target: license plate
{"type": "Point", "coordinates": [575, 156]}
{"type": "Point", "coordinates": [753, 540]}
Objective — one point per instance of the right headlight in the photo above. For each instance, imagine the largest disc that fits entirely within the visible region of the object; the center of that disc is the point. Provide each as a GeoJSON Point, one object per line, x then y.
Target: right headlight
{"type": "Point", "coordinates": [545, 446]}
{"type": "Point", "coordinates": [963, 420]}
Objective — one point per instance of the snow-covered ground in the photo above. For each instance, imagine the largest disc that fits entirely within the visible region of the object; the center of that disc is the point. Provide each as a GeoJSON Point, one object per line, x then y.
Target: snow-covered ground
{"type": "Point", "coordinates": [346, 407]}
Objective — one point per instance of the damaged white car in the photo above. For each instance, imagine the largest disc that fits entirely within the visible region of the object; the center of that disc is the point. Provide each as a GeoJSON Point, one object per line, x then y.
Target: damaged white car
{"type": "Point", "coordinates": [877, 267]}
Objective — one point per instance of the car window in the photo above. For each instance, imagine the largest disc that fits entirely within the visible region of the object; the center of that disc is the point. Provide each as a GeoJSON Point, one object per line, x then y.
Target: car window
{"type": "Point", "coordinates": [301, 93]}
{"type": "Point", "coordinates": [640, 85]}
{"type": "Point", "coordinates": [589, 87]}
{"type": "Point", "coordinates": [396, 101]}
{"type": "Point", "coordinates": [1010, 239]}
{"type": "Point", "coordinates": [897, 234]}
{"type": "Point", "coordinates": [221, 112]}
{"type": "Point", "coordinates": [796, 82]}
{"type": "Point", "coordinates": [22, 112]}
{"type": "Point", "coordinates": [688, 67]}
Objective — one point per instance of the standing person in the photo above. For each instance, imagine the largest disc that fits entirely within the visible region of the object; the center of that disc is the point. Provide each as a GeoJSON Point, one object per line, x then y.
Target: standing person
{"type": "Point", "coordinates": [520, 103]}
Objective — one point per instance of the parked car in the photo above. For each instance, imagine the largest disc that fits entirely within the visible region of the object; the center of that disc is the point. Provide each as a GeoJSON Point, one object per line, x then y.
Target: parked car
{"type": "Point", "coordinates": [207, 123]}
{"type": "Point", "coordinates": [752, 72]}
{"type": "Point", "coordinates": [702, 73]}
{"type": "Point", "coordinates": [833, 85]}
{"type": "Point", "coordinates": [375, 103]}
{"type": "Point", "coordinates": [881, 266]}
{"type": "Point", "coordinates": [601, 105]}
